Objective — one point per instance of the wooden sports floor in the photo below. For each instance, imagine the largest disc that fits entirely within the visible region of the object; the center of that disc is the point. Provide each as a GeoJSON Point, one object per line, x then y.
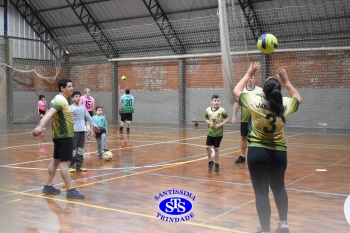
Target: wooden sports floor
{"type": "Point", "coordinates": [120, 194]}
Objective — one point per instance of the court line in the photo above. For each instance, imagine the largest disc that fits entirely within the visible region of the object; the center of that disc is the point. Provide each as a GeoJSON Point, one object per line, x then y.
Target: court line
{"type": "Point", "coordinates": [318, 145]}
{"type": "Point", "coordinates": [119, 177]}
{"type": "Point", "coordinates": [237, 207]}
{"type": "Point", "coordinates": [117, 149]}
{"type": "Point", "coordinates": [6, 135]}
{"type": "Point", "coordinates": [172, 166]}
{"type": "Point", "coordinates": [108, 174]}
{"type": "Point", "coordinates": [183, 163]}
{"type": "Point", "coordinates": [121, 168]}
{"type": "Point", "coordinates": [121, 211]}
{"type": "Point", "coordinates": [13, 200]}
{"type": "Point", "coordinates": [143, 172]}
{"type": "Point", "coordinates": [250, 185]}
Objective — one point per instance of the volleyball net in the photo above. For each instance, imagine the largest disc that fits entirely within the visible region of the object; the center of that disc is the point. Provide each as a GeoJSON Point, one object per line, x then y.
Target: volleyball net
{"type": "Point", "coordinates": [174, 69]}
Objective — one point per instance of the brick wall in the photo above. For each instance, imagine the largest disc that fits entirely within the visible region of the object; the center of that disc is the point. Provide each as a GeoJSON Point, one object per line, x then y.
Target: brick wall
{"type": "Point", "coordinates": [203, 75]}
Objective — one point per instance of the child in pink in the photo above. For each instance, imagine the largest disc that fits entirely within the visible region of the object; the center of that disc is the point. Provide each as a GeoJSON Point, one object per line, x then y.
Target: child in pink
{"type": "Point", "coordinates": [41, 106]}
{"type": "Point", "coordinates": [89, 102]}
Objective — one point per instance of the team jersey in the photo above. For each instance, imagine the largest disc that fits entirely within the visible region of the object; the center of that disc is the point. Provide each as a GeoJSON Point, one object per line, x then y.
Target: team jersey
{"type": "Point", "coordinates": [217, 117]}
{"type": "Point", "coordinates": [88, 102]}
{"type": "Point", "coordinates": [62, 121]}
{"type": "Point", "coordinates": [42, 105]}
{"type": "Point", "coordinates": [127, 102]}
{"type": "Point", "coordinates": [265, 128]}
{"type": "Point", "coordinates": [244, 112]}
{"type": "Point", "coordinates": [80, 114]}
{"type": "Point", "coordinates": [100, 121]}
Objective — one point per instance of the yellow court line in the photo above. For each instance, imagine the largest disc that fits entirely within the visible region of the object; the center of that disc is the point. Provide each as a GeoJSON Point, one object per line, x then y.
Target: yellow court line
{"type": "Point", "coordinates": [13, 200]}
{"type": "Point", "coordinates": [119, 210]}
{"type": "Point", "coordinates": [149, 135]}
{"type": "Point", "coordinates": [156, 169]}
{"type": "Point", "coordinates": [129, 212]}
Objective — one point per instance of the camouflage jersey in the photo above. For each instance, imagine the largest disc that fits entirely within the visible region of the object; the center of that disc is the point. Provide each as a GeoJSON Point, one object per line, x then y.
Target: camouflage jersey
{"type": "Point", "coordinates": [244, 112]}
{"type": "Point", "coordinates": [217, 117]}
{"type": "Point", "coordinates": [62, 121]}
{"type": "Point", "coordinates": [265, 129]}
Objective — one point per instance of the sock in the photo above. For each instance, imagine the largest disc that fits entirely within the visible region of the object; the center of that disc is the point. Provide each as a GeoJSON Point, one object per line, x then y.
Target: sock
{"type": "Point", "coordinates": [121, 129]}
{"type": "Point", "coordinates": [127, 129]}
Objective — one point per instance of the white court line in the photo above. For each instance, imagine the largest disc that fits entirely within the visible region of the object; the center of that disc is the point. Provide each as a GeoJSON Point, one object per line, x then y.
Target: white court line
{"type": "Point", "coordinates": [27, 145]}
{"type": "Point", "coordinates": [102, 175]}
{"type": "Point", "coordinates": [318, 146]}
{"type": "Point", "coordinates": [329, 134]}
{"type": "Point", "coordinates": [6, 135]}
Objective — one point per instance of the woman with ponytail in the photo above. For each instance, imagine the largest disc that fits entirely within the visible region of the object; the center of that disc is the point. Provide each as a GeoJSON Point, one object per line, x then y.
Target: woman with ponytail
{"type": "Point", "coordinates": [267, 151]}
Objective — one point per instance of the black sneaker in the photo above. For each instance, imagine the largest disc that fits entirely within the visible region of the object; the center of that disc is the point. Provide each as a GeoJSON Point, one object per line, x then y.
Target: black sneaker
{"type": "Point", "coordinates": [210, 165]}
{"type": "Point", "coordinates": [74, 194]}
{"type": "Point", "coordinates": [48, 190]}
{"type": "Point", "coordinates": [217, 167]}
{"type": "Point", "coordinates": [240, 159]}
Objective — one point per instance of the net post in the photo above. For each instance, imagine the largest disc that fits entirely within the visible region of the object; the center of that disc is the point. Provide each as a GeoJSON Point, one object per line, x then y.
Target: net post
{"type": "Point", "coordinates": [9, 81]}
{"type": "Point", "coordinates": [115, 91]}
{"type": "Point", "coordinates": [182, 91]}
{"type": "Point", "coordinates": [226, 58]}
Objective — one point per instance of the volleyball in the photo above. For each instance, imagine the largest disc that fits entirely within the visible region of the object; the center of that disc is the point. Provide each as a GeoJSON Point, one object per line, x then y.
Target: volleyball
{"type": "Point", "coordinates": [267, 43]}
{"type": "Point", "coordinates": [107, 155]}
{"type": "Point", "coordinates": [123, 78]}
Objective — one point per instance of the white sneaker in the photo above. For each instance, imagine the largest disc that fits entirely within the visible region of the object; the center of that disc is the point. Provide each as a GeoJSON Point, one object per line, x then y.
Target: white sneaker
{"type": "Point", "coordinates": [282, 227]}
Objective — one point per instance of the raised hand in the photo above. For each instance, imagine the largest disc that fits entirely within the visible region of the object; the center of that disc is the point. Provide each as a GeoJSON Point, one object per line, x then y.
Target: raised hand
{"type": "Point", "coordinates": [253, 68]}
{"type": "Point", "coordinates": [281, 73]}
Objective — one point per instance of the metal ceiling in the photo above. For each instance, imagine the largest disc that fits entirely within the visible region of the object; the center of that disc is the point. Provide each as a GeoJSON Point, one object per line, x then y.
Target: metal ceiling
{"type": "Point", "coordinates": [120, 21]}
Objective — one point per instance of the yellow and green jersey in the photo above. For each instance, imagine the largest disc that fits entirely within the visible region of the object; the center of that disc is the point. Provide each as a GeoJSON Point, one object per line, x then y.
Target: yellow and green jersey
{"type": "Point", "coordinates": [217, 117]}
{"type": "Point", "coordinates": [265, 129]}
{"type": "Point", "coordinates": [244, 112]}
{"type": "Point", "coordinates": [62, 121]}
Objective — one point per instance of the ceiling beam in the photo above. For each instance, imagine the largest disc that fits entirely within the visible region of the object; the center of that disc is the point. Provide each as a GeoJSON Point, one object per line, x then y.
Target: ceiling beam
{"type": "Point", "coordinates": [137, 17]}
{"type": "Point", "coordinates": [93, 28]}
{"type": "Point", "coordinates": [251, 17]}
{"type": "Point", "coordinates": [164, 25]}
{"type": "Point", "coordinates": [67, 6]}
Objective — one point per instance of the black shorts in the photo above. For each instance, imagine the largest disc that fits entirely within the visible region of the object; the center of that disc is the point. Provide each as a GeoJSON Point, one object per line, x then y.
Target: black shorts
{"type": "Point", "coordinates": [244, 129]}
{"type": "Point", "coordinates": [91, 113]}
{"type": "Point", "coordinates": [126, 116]}
{"type": "Point", "coordinates": [63, 149]}
{"type": "Point", "coordinates": [214, 141]}
{"type": "Point", "coordinates": [42, 112]}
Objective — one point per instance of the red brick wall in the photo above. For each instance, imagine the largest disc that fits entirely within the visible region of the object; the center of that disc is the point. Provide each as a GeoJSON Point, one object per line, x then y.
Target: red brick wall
{"type": "Point", "coordinates": [158, 75]}
{"type": "Point", "coordinates": [330, 67]}
{"type": "Point", "coordinates": [96, 77]}
{"type": "Point", "coordinates": [31, 82]}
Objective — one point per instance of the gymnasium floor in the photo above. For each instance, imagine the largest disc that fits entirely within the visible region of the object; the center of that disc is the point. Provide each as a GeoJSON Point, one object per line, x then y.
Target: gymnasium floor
{"type": "Point", "coordinates": [120, 194]}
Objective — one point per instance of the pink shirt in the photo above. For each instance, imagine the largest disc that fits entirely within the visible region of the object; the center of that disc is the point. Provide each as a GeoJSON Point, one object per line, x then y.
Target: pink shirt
{"type": "Point", "coordinates": [87, 102]}
{"type": "Point", "coordinates": [42, 105]}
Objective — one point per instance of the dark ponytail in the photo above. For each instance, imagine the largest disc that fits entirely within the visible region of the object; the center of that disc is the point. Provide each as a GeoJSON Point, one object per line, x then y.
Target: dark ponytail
{"type": "Point", "coordinates": [272, 90]}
